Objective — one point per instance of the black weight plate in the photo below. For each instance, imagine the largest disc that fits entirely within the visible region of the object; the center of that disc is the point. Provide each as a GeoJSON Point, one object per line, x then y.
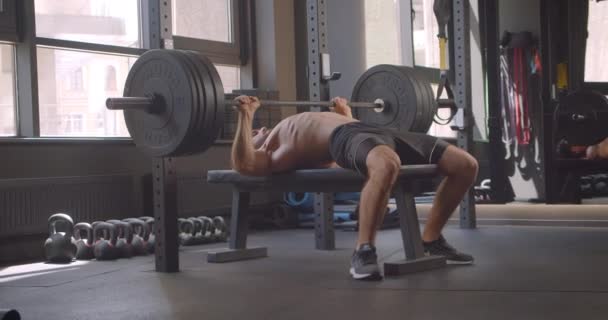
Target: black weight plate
{"type": "Point", "coordinates": [208, 131]}
{"type": "Point", "coordinates": [186, 147]}
{"type": "Point", "coordinates": [193, 139]}
{"type": "Point", "coordinates": [420, 93]}
{"type": "Point", "coordinates": [160, 73]}
{"type": "Point", "coordinates": [397, 90]}
{"type": "Point", "coordinates": [220, 111]}
{"type": "Point", "coordinates": [429, 104]}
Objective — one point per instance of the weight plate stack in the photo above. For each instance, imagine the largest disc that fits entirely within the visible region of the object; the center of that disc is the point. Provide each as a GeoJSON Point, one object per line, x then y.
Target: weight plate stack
{"type": "Point", "coordinates": [401, 96]}
{"type": "Point", "coordinates": [161, 73]}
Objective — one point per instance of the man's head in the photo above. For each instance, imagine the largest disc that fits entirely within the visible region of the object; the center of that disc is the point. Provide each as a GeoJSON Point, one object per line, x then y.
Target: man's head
{"type": "Point", "coordinates": [259, 136]}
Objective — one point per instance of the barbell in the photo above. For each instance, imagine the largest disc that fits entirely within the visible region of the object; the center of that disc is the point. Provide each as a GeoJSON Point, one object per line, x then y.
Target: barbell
{"type": "Point", "coordinates": [174, 101]}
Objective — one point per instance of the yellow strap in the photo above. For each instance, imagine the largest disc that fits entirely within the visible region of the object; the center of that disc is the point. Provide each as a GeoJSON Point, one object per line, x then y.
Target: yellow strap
{"type": "Point", "coordinates": [443, 64]}
{"type": "Point", "coordinates": [562, 76]}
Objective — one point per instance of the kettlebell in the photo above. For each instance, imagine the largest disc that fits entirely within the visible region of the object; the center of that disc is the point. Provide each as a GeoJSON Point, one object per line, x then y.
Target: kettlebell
{"type": "Point", "coordinates": [105, 241]}
{"type": "Point", "coordinates": [140, 232]}
{"type": "Point", "coordinates": [221, 230]}
{"type": "Point", "coordinates": [125, 238]}
{"type": "Point", "coordinates": [151, 240]}
{"type": "Point", "coordinates": [60, 247]}
{"type": "Point", "coordinates": [186, 230]}
{"type": "Point", "coordinates": [84, 246]}
{"type": "Point", "coordinates": [198, 234]}
{"type": "Point", "coordinates": [208, 229]}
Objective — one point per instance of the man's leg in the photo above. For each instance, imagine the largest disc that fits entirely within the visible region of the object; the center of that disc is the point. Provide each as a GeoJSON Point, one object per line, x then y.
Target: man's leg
{"type": "Point", "coordinates": [383, 166]}
{"type": "Point", "coordinates": [460, 169]}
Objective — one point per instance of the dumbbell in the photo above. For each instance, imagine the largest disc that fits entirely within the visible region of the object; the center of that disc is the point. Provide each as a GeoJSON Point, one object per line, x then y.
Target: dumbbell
{"type": "Point", "coordinates": [60, 246]}
{"type": "Point", "coordinates": [125, 238]}
{"type": "Point", "coordinates": [84, 246]}
{"type": "Point", "coordinates": [140, 234]}
{"type": "Point", "coordinates": [151, 240]}
{"type": "Point", "coordinates": [105, 241]}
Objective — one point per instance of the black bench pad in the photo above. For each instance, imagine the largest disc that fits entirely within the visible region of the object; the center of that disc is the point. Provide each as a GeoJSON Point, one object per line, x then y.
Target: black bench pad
{"type": "Point", "coordinates": [311, 180]}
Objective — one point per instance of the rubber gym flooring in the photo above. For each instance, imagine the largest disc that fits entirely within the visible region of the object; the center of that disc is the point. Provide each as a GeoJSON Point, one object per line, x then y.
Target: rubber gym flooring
{"type": "Point", "coordinates": [521, 272]}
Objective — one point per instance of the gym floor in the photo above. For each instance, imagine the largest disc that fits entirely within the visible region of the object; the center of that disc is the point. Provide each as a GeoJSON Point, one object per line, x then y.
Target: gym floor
{"type": "Point", "coordinates": [521, 272]}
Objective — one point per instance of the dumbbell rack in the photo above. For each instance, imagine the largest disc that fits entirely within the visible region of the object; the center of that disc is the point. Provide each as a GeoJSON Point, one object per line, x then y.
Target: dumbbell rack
{"type": "Point", "coordinates": [165, 214]}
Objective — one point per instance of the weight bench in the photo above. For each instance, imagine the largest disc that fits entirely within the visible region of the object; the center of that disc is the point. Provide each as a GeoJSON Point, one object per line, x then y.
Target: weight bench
{"type": "Point", "coordinates": [325, 182]}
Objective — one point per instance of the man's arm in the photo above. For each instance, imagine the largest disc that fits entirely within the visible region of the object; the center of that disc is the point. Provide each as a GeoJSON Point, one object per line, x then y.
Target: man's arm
{"type": "Point", "coordinates": [341, 107]}
{"type": "Point", "coordinates": [245, 159]}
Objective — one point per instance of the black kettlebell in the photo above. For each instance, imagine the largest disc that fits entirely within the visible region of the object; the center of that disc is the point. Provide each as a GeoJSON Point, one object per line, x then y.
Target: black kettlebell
{"type": "Point", "coordinates": [9, 314]}
{"type": "Point", "coordinates": [84, 245]}
{"type": "Point", "coordinates": [106, 237]}
{"type": "Point", "coordinates": [140, 233]}
{"type": "Point", "coordinates": [151, 240]}
{"type": "Point", "coordinates": [208, 229]}
{"type": "Point", "coordinates": [60, 247]}
{"type": "Point", "coordinates": [186, 231]}
{"type": "Point", "coordinates": [125, 238]}
{"type": "Point", "coordinates": [221, 230]}
{"type": "Point", "coordinates": [199, 233]}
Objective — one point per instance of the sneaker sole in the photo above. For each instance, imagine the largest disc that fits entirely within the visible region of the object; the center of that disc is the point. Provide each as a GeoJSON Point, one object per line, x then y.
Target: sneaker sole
{"type": "Point", "coordinates": [460, 263]}
{"type": "Point", "coordinates": [366, 276]}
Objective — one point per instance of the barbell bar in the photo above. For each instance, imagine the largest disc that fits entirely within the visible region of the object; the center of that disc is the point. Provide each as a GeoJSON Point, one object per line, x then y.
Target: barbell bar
{"type": "Point", "coordinates": [174, 102]}
{"type": "Point", "coordinates": [154, 104]}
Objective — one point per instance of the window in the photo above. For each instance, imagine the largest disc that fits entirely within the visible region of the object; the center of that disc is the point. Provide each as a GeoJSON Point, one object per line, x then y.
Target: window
{"type": "Point", "coordinates": [596, 69]}
{"type": "Point", "coordinates": [8, 125]}
{"type": "Point", "coordinates": [203, 19]}
{"type": "Point", "coordinates": [231, 77]}
{"type": "Point", "coordinates": [109, 22]}
{"type": "Point", "coordinates": [382, 28]}
{"type": "Point", "coordinates": [73, 87]}
{"type": "Point", "coordinates": [424, 26]}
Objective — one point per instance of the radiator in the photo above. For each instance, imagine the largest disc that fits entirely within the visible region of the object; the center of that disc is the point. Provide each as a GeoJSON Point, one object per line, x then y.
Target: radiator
{"type": "Point", "coordinates": [26, 204]}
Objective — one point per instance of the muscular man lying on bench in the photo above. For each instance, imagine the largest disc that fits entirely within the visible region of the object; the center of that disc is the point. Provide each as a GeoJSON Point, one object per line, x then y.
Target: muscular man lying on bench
{"type": "Point", "coordinates": [321, 139]}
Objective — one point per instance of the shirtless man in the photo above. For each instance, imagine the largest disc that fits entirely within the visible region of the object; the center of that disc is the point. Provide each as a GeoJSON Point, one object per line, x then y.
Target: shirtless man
{"type": "Point", "coordinates": [322, 139]}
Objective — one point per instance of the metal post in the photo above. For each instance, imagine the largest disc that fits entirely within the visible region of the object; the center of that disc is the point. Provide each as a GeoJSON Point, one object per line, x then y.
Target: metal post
{"type": "Point", "coordinates": [318, 90]}
{"type": "Point", "coordinates": [498, 176]}
{"type": "Point", "coordinates": [165, 215]}
{"type": "Point", "coordinates": [464, 118]}
{"type": "Point", "coordinates": [324, 221]}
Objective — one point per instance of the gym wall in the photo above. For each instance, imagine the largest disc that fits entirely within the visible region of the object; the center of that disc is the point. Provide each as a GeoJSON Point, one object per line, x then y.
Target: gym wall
{"type": "Point", "coordinates": [517, 16]}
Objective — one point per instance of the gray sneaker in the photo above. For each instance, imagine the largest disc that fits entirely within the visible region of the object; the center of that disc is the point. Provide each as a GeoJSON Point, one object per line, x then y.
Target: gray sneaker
{"type": "Point", "coordinates": [441, 247]}
{"type": "Point", "coordinates": [364, 264]}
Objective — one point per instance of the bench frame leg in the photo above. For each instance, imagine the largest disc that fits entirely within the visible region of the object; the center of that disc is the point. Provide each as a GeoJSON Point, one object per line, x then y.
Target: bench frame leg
{"type": "Point", "coordinates": [415, 259]}
{"type": "Point", "coordinates": [324, 221]}
{"type": "Point", "coordinates": [239, 227]}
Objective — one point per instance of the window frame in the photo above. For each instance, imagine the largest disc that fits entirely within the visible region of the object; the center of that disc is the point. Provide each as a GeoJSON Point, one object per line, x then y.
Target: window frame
{"type": "Point", "coordinates": [8, 21]}
{"type": "Point", "coordinates": [230, 53]}
{"type": "Point", "coordinates": [151, 12]}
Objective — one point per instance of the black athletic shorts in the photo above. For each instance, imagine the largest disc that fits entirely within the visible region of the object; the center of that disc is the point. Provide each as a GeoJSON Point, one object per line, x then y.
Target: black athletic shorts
{"type": "Point", "coordinates": [350, 143]}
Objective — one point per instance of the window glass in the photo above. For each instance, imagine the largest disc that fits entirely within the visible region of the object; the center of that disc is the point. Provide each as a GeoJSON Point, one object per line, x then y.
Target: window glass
{"type": "Point", "coordinates": [110, 22]}
{"type": "Point", "coordinates": [596, 69]}
{"type": "Point", "coordinates": [203, 19]}
{"type": "Point", "coordinates": [382, 28]}
{"type": "Point", "coordinates": [8, 121]}
{"type": "Point", "coordinates": [73, 87]}
{"type": "Point", "coordinates": [424, 26]}
{"type": "Point", "coordinates": [231, 77]}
